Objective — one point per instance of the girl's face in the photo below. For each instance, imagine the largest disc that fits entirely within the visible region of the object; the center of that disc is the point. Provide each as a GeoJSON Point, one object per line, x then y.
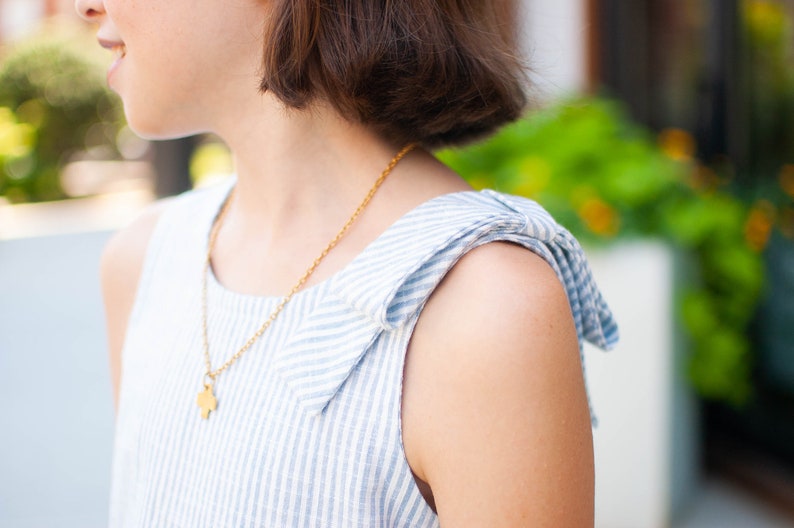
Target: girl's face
{"type": "Point", "coordinates": [179, 65]}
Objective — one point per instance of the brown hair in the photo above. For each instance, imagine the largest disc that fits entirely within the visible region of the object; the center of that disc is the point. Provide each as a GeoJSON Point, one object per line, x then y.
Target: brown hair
{"type": "Point", "coordinates": [439, 72]}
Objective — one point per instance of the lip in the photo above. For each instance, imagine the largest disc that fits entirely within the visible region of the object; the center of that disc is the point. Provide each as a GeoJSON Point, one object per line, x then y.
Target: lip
{"type": "Point", "coordinates": [119, 50]}
{"type": "Point", "coordinates": [109, 44]}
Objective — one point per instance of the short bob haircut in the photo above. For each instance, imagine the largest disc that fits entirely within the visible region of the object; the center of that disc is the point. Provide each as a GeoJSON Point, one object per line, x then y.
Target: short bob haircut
{"type": "Point", "coordinates": [435, 72]}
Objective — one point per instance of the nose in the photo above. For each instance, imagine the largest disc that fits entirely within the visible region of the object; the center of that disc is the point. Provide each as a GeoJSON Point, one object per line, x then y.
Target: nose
{"type": "Point", "coordinates": [90, 10]}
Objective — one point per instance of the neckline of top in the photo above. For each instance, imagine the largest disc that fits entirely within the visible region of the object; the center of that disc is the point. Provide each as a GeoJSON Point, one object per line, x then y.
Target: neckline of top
{"type": "Point", "coordinates": [231, 297]}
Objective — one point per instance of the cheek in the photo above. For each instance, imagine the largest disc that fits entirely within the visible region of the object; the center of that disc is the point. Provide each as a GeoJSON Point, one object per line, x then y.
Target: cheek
{"type": "Point", "coordinates": [160, 82]}
{"type": "Point", "coordinates": [182, 64]}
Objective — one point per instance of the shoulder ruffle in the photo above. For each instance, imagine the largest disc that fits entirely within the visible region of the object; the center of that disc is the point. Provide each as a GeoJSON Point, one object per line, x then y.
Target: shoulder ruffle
{"type": "Point", "coordinates": [390, 281]}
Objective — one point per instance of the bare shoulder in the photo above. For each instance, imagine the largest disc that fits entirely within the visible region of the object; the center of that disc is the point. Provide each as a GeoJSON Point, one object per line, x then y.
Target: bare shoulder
{"type": "Point", "coordinates": [495, 415]}
{"type": "Point", "coordinates": [120, 268]}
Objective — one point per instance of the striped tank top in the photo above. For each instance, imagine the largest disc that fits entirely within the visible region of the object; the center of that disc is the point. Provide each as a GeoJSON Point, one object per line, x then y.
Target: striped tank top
{"type": "Point", "coordinates": [307, 431]}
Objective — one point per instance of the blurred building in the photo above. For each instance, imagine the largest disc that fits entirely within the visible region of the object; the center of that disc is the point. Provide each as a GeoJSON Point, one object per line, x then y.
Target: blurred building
{"type": "Point", "coordinates": [724, 71]}
{"type": "Point", "coordinates": [18, 17]}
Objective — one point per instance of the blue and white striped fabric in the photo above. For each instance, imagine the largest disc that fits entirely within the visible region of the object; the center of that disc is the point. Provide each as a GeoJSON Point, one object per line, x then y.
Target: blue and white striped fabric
{"type": "Point", "coordinates": [307, 429]}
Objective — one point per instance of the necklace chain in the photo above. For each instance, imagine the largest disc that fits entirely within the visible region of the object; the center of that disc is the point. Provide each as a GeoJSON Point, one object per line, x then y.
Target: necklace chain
{"type": "Point", "coordinates": [206, 399]}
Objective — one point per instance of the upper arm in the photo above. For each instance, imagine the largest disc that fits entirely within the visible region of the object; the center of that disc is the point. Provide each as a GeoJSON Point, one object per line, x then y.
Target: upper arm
{"type": "Point", "coordinates": [120, 269]}
{"type": "Point", "coordinates": [495, 414]}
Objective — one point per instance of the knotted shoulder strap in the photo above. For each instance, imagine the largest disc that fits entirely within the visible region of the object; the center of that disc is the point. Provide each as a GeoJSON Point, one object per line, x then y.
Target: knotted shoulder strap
{"type": "Point", "coordinates": [383, 288]}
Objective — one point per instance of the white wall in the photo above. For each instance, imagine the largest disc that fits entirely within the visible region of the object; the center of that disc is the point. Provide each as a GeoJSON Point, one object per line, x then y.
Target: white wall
{"type": "Point", "coordinates": [18, 17]}
{"type": "Point", "coordinates": [57, 411]}
{"type": "Point", "coordinates": [554, 37]}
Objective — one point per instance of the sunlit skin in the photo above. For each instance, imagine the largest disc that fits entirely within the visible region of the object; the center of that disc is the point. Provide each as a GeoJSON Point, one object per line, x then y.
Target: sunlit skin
{"type": "Point", "coordinates": [495, 419]}
{"type": "Point", "coordinates": [179, 59]}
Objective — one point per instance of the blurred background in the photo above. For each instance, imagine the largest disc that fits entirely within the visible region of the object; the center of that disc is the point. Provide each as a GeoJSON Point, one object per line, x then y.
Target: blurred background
{"type": "Point", "coordinates": [661, 134]}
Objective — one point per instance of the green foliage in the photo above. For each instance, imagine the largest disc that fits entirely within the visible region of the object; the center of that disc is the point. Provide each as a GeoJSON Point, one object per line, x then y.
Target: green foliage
{"type": "Point", "coordinates": [768, 35]}
{"type": "Point", "coordinates": [57, 92]}
{"type": "Point", "coordinates": [604, 177]}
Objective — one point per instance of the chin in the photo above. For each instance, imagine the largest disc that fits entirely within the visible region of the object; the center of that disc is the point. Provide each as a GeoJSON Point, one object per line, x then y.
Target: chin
{"type": "Point", "coordinates": [161, 134]}
{"type": "Point", "coordinates": [148, 123]}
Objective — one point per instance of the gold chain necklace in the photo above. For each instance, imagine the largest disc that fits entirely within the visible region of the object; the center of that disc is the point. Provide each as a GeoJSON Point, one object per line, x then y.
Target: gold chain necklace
{"type": "Point", "coordinates": [206, 399]}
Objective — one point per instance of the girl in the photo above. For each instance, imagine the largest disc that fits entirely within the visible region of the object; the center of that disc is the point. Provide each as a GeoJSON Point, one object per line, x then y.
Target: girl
{"type": "Point", "coordinates": [345, 334]}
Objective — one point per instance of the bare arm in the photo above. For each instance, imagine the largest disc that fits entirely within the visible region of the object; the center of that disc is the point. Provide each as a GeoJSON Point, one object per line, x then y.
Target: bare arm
{"type": "Point", "coordinates": [495, 415]}
{"type": "Point", "coordinates": [120, 270]}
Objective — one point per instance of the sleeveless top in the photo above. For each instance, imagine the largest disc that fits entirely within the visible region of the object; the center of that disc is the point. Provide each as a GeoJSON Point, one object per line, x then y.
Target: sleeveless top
{"type": "Point", "coordinates": [307, 430]}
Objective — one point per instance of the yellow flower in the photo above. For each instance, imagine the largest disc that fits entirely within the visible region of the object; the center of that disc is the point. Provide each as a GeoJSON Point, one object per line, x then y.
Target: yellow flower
{"type": "Point", "coordinates": [759, 224]}
{"type": "Point", "coordinates": [703, 178]}
{"type": "Point", "coordinates": [786, 179]}
{"type": "Point", "coordinates": [766, 19]}
{"type": "Point", "coordinates": [599, 217]}
{"type": "Point", "coordinates": [677, 144]}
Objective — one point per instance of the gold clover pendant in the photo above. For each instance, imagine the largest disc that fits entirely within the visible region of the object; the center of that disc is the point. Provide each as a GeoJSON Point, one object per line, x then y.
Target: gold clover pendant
{"type": "Point", "coordinates": [206, 400]}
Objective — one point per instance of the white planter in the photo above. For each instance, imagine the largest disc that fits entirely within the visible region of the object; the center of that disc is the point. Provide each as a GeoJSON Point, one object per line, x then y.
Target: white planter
{"type": "Point", "coordinates": [646, 442]}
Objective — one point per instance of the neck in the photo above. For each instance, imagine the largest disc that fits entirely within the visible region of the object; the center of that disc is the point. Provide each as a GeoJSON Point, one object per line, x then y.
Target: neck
{"type": "Point", "coordinates": [300, 177]}
{"type": "Point", "coordinates": [299, 170]}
